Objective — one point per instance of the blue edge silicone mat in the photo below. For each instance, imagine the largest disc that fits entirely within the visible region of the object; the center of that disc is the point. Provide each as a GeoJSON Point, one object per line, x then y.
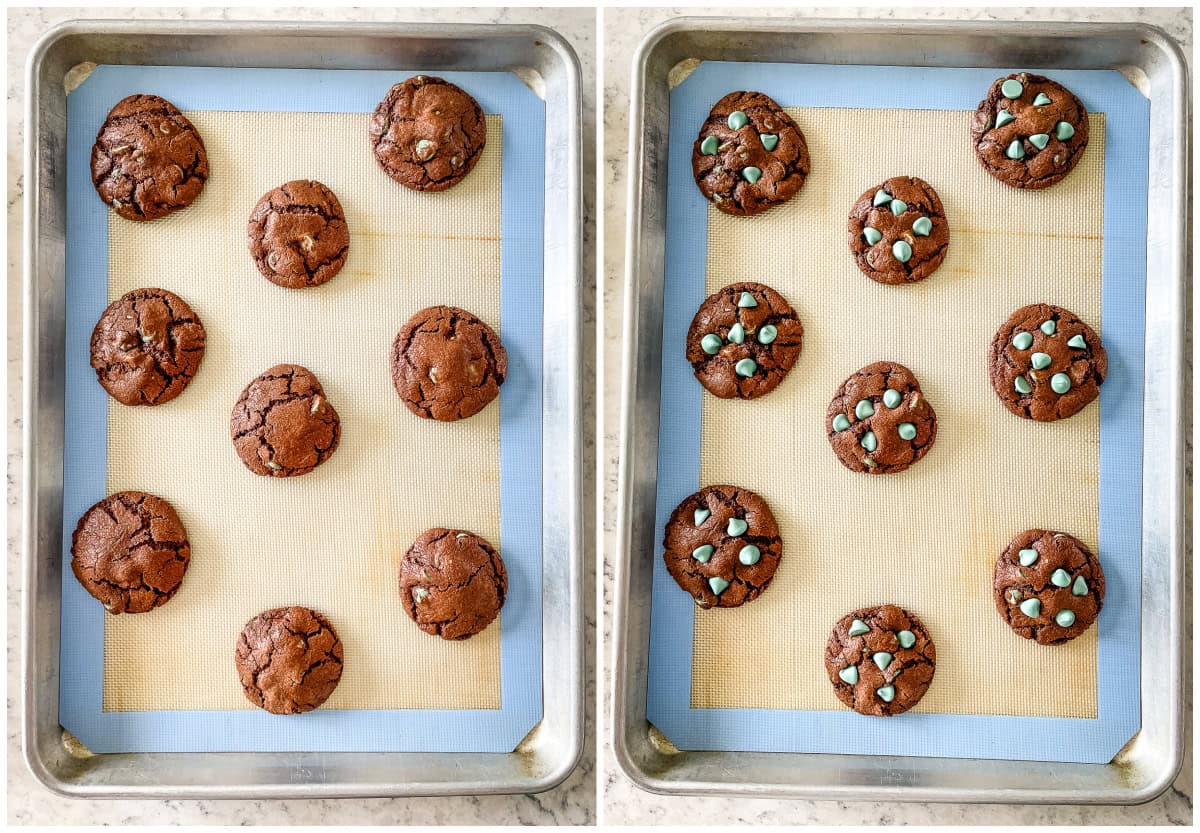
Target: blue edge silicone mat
{"type": "Point", "coordinates": [930, 735]}
{"type": "Point", "coordinates": [522, 219]}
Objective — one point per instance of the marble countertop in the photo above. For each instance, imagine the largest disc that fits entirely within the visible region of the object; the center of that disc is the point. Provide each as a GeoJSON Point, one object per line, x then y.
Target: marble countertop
{"type": "Point", "coordinates": [623, 802]}
{"type": "Point", "coordinates": [573, 802]}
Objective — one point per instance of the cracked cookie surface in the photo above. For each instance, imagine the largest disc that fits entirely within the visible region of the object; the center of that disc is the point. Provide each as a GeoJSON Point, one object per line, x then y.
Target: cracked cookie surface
{"type": "Point", "coordinates": [147, 346]}
{"type": "Point", "coordinates": [428, 133]}
{"type": "Point", "coordinates": [1030, 131]}
{"type": "Point", "coordinates": [898, 232]}
{"type": "Point", "coordinates": [298, 235]}
{"type": "Point", "coordinates": [447, 364]}
{"type": "Point", "coordinates": [750, 155]}
{"type": "Point", "coordinates": [1045, 363]}
{"type": "Point", "coordinates": [452, 583]}
{"type": "Point", "coordinates": [130, 551]}
{"type": "Point", "coordinates": [289, 660]}
{"type": "Point", "coordinates": [743, 341]}
{"type": "Point", "coordinates": [1048, 586]}
{"type": "Point", "coordinates": [880, 660]}
{"type": "Point", "coordinates": [879, 421]}
{"type": "Point", "coordinates": [722, 546]}
{"type": "Point", "coordinates": [282, 424]}
{"type": "Point", "coordinates": [148, 159]}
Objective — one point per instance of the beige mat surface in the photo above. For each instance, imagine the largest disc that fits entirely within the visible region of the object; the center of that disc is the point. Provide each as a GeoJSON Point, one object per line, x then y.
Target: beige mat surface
{"type": "Point", "coordinates": [331, 539]}
{"type": "Point", "coordinates": [927, 538]}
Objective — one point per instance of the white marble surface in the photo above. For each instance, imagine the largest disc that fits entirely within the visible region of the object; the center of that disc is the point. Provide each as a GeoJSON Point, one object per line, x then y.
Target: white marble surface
{"type": "Point", "coordinates": [623, 803]}
{"type": "Point", "coordinates": [572, 803]}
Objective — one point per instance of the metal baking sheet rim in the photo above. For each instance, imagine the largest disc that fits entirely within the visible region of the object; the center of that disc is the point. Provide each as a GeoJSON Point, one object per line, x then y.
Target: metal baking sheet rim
{"type": "Point", "coordinates": [546, 62]}
{"type": "Point", "coordinates": [1149, 763]}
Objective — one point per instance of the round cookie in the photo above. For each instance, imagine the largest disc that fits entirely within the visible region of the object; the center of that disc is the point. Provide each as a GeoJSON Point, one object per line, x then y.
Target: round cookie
{"type": "Point", "coordinates": [452, 583]}
{"type": "Point", "coordinates": [1030, 131]}
{"type": "Point", "coordinates": [722, 546]}
{"type": "Point", "coordinates": [743, 340]}
{"type": "Point", "coordinates": [447, 364]}
{"type": "Point", "coordinates": [750, 155]}
{"type": "Point", "coordinates": [147, 346]}
{"type": "Point", "coordinates": [1048, 586]}
{"type": "Point", "coordinates": [130, 551]}
{"type": "Point", "coordinates": [282, 424]}
{"type": "Point", "coordinates": [148, 159]}
{"type": "Point", "coordinates": [880, 660]}
{"type": "Point", "coordinates": [898, 231]}
{"type": "Point", "coordinates": [1045, 363]}
{"type": "Point", "coordinates": [428, 133]}
{"type": "Point", "coordinates": [879, 421]}
{"type": "Point", "coordinates": [289, 660]}
{"type": "Point", "coordinates": [298, 235]}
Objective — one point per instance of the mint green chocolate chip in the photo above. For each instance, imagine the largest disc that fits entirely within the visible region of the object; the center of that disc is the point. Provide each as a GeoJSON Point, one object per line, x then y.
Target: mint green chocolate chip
{"type": "Point", "coordinates": [1031, 608]}
{"type": "Point", "coordinates": [882, 659]}
{"type": "Point", "coordinates": [891, 398]}
{"type": "Point", "coordinates": [858, 628]}
{"type": "Point", "coordinates": [746, 300]}
{"type": "Point", "coordinates": [703, 553]}
{"type": "Point", "coordinates": [1060, 383]}
{"type": "Point", "coordinates": [1013, 594]}
{"type": "Point", "coordinates": [907, 638]}
{"type": "Point", "coordinates": [1063, 131]}
{"type": "Point", "coordinates": [749, 555]}
{"type": "Point", "coordinates": [872, 236]}
{"type": "Point", "coordinates": [711, 344]}
{"type": "Point", "coordinates": [1041, 99]}
{"type": "Point", "coordinates": [420, 594]}
{"type": "Point", "coordinates": [1077, 341]}
{"type": "Point", "coordinates": [864, 409]}
{"type": "Point", "coordinates": [869, 442]}
{"type": "Point", "coordinates": [1003, 117]}
{"type": "Point", "coordinates": [736, 527]}
{"type": "Point", "coordinates": [1048, 327]}
{"type": "Point", "coordinates": [1040, 140]}
{"type": "Point", "coordinates": [898, 207]}
{"type": "Point", "coordinates": [1022, 385]}
{"type": "Point", "coordinates": [1023, 341]}
{"type": "Point", "coordinates": [1065, 618]}
{"type": "Point", "coordinates": [767, 334]}
{"type": "Point", "coordinates": [906, 430]}
{"type": "Point", "coordinates": [882, 197]}
{"type": "Point", "coordinates": [709, 146]}
{"type": "Point", "coordinates": [701, 515]}
{"type": "Point", "coordinates": [901, 251]}
{"type": "Point", "coordinates": [1040, 361]}
{"type": "Point", "coordinates": [1012, 88]}
{"type": "Point", "coordinates": [1027, 557]}
{"type": "Point", "coordinates": [718, 584]}
{"type": "Point", "coordinates": [922, 227]}
{"type": "Point", "coordinates": [840, 423]}
{"type": "Point", "coordinates": [737, 120]}
{"type": "Point", "coordinates": [737, 334]}
{"type": "Point", "coordinates": [745, 368]}
{"type": "Point", "coordinates": [751, 174]}
{"type": "Point", "coordinates": [849, 674]}
{"type": "Point", "coordinates": [1015, 150]}
{"type": "Point", "coordinates": [769, 140]}
{"type": "Point", "coordinates": [1079, 588]}
{"type": "Point", "coordinates": [887, 694]}
{"type": "Point", "coordinates": [1060, 578]}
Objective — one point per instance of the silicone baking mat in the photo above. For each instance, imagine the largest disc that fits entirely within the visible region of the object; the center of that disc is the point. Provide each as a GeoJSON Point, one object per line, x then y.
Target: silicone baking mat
{"type": "Point", "coordinates": [331, 540]}
{"type": "Point", "coordinates": [753, 678]}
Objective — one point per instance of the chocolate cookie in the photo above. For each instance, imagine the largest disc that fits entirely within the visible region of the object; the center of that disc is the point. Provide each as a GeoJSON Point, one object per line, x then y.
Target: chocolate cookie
{"type": "Point", "coordinates": [147, 346]}
{"type": "Point", "coordinates": [722, 546]}
{"type": "Point", "coordinates": [148, 159]}
{"type": "Point", "coordinates": [743, 340]}
{"type": "Point", "coordinates": [298, 235]}
{"type": "Point", "coordinates": [428, 133]}
{"type": "Point", "coordinates": [1045, 363]}
{"type": "Point", "coordinates": [130, 551]}
{"type": "Point", "coordinates": [879, 422]}
{"type": "Point", "coordinates": [282, 424]}
{"type": "Point", "coordinates": [289, 660]}
{"type": "Point", "coordinates": [1048, 586]}
{"type": "Point", "coordinates": [750, 155]}
{"type": "Point", "coordinates": [880, 660]}
{"type": "Point", "coordinates": [452, 583]}
{"type": "Point", "coordinates": [898, 231]}
{"type": "Point", "coordinates": [447, 364]}
{"type": "Point", "coordinates": [1030, 131]}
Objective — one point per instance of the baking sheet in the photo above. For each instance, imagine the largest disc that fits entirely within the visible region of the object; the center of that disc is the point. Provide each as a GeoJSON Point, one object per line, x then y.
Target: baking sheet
{"type": "Point", "coordinates": [926, 538]}
{"type": "Point", "coordinates": [331, 539]}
